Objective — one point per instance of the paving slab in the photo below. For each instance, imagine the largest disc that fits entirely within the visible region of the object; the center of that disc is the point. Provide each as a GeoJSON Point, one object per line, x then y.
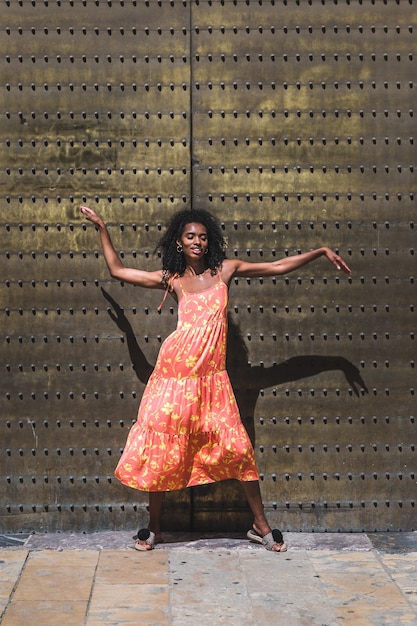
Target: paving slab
{"type": "Point", "coordinates": [100, 580]}
{"type": "Point", "coordinates": [394, 543]}
{"type": "Point", "coordinates": [402, 569]}
{"type": "Point", "coordinates": [44, 613]}
{"type": "Point", "coordinates": [130, 588]}
{"type": "Point", "coordinates": [360, 589]}
{"type": "Point", "coordinates": [11, 565]}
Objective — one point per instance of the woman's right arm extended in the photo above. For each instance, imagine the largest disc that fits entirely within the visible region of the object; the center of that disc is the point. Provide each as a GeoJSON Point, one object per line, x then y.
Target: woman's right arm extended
{"type": "Point", "coordinates": [153, 280]}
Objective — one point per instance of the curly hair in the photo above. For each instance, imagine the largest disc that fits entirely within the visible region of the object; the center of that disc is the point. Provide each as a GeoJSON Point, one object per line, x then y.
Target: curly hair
{"type": "Point", "coordinates": [173, 262]}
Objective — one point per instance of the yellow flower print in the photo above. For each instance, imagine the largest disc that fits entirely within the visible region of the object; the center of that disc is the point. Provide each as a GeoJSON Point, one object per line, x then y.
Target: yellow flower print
{"type": "Point", "coordinates": [191, 361]}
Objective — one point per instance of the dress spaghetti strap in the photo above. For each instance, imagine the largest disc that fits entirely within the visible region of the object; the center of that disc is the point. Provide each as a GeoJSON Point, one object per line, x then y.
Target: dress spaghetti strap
{"type": "Point", "coordinates": [169, 288]}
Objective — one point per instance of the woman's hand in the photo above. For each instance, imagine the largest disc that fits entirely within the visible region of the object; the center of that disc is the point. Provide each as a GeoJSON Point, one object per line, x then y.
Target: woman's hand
{"type": "Point", "coordinates": [337, 261]}
{"type": "Point", "coordinates": [92, 216]}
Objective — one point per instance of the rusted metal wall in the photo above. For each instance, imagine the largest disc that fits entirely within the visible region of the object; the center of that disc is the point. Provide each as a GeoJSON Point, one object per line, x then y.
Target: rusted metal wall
{"type": "Point", "coordinates": [294, 122]}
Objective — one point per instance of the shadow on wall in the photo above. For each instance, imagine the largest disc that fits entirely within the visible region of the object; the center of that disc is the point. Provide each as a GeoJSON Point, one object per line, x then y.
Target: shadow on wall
{"type": "Point", "coordinates": [219, 506]}
{"type": "Point", "coordinates": [247, 380]}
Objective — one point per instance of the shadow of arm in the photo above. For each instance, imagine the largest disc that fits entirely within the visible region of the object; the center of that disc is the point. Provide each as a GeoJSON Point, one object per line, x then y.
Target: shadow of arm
{"type": "Point", "coordinates": [142, 368]}
{"type": "Point", "coordinates": [300, 367]}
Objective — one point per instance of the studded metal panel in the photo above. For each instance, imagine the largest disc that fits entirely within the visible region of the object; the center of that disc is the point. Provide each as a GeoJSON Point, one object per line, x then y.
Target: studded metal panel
{"type": "Point", "coordinates": [95, 110]}
{"type": "Point", "coordinates": [304, 135]}
{"type": "Point", "coordinates": [293, 121]}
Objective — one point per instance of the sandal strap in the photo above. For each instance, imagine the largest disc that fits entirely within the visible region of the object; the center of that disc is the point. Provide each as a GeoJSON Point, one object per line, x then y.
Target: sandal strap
{"type": "Point", "coordinates": [272, 538]}
{"type": "Point", "coordinates": [143, 534]}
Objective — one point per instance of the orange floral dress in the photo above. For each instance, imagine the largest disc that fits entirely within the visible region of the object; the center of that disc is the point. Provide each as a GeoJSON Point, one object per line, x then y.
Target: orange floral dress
{"type": "Point", "coordinates": [188, 431]}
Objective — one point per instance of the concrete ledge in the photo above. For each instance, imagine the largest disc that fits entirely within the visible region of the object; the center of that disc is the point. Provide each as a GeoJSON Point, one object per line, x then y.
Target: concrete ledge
{"type": "Point", "coordinates": [389, 543]}
{"type": "Point", "coordinates": [111, 540]}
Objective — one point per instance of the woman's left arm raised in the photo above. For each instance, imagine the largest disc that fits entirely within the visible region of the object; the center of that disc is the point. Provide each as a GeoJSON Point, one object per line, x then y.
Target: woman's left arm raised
{"type": "Point", "coordinates": [235, 267]}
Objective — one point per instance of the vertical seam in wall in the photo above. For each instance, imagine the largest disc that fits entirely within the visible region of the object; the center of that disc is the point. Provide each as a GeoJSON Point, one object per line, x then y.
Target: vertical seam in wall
{"type": "Point", "coordinates": [192, 512]}
{"type": "Point", "coordinates": [191, 74]}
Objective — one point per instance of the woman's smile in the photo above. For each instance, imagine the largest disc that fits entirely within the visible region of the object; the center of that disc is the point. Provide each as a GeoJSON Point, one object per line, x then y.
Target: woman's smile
{"type": "Point", "coordinates": [194, 240]}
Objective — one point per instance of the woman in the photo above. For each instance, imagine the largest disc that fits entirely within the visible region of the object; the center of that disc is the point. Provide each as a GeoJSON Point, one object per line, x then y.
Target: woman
{"type": "Point", "coordinates": [188, 430]}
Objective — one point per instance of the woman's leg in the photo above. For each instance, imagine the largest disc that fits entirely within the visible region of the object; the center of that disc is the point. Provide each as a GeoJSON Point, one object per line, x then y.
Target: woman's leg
{"type": "Point", "coordinates": [254, 498]}
{"type": "Point", "coordinates": [156, 499]}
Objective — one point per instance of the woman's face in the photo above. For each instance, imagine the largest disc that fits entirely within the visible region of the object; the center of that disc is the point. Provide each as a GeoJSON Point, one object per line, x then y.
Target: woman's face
{"type": "Point", "coordinates": [194, 241]}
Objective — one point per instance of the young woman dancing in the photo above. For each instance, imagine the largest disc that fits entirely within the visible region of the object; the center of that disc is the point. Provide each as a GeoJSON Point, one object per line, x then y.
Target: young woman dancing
{"type": "Point", "coordinates": [188, 431]}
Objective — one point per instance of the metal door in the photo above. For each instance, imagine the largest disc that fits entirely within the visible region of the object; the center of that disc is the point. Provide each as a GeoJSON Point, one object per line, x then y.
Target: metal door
{"type": "Point", "coordinates": [294, 122]}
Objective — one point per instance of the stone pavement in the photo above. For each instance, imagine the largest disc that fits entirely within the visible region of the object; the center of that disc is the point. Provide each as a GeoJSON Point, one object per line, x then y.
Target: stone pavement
{"type": "Point", "coordinates": [99, 580]}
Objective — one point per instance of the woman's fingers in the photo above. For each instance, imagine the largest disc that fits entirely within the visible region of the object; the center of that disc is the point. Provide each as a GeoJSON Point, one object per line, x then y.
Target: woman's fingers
{"type": "Point", "coordinates": [338, 262]}
{"type": "Point", "coordinates": [86, 211]}
{"type": "Point", "coordinates": [90, 214]}
{"type": "Point", "coordinates": [341, 265]}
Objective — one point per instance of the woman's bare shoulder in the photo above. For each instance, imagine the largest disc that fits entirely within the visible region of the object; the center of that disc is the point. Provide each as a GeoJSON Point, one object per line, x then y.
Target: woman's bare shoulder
{"type": "Point", "coordinates": [228, 269]}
